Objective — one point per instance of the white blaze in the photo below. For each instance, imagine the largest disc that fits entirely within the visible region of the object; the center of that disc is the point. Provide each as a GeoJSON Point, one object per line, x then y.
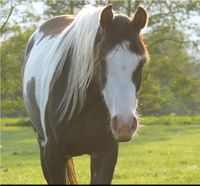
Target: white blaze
{"type": "Point", "coordinates": [119, 91]}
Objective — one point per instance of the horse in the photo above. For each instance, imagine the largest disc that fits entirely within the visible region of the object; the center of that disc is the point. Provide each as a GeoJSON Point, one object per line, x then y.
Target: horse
{"type": "Point", "coordinates": [81, 76]}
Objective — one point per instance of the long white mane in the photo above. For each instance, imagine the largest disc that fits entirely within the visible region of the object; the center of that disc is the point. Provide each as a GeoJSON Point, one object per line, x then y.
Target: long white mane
{"type": "Point", "coordinates": [79, 37]}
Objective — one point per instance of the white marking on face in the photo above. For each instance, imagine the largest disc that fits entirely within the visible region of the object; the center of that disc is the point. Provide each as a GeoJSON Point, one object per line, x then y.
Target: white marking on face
{"type": "Point", "coordinates": [119, 91]}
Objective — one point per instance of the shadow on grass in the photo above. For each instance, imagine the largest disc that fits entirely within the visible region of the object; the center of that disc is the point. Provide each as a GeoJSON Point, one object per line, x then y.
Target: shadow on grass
{"type": "Point", "coordinates": [20, 123]}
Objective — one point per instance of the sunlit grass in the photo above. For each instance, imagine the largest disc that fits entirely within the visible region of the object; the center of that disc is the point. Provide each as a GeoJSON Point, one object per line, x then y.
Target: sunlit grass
{"type": "Point", "coordinates": [158, 154]}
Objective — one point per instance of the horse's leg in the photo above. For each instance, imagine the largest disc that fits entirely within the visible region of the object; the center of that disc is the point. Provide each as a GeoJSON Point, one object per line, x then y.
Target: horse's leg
{"type": "Point", "coordinates": [55, 161]}
{"type": "Point", "coordinates": [103, 165]}
{"type": "Point", "coordinates": [43, 165]}
{"type": "Point", "coordinates": [94, 166]}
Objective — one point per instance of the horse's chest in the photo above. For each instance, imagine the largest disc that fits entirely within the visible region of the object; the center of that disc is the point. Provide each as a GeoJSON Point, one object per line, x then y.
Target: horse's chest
{"type": "Point", "coordinates": [86, 139]}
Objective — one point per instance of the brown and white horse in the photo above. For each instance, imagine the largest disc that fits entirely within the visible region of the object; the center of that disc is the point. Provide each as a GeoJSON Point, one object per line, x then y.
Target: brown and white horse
{"type": "Point", "coordinates": [80, 81]}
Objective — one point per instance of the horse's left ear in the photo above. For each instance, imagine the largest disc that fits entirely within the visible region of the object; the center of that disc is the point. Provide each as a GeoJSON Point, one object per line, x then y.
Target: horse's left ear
{"type": "Point", "coordinates": [140, 19]}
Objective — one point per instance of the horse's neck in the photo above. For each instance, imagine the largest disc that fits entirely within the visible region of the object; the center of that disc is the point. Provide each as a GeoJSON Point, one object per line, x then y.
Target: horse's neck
{"type": "Point", "coordinates": [94, 98]}
{"type": "Point", "coordinates": [93, 113]}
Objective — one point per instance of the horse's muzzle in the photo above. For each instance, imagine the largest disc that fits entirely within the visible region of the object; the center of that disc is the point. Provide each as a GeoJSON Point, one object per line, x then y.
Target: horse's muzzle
{"type": "Point", "coordinates": [123, 129]}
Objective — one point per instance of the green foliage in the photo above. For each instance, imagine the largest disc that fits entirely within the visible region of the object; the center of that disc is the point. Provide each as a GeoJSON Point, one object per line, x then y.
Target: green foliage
{"type": "Point", "coordinates": [55, 8]}
{"type": "Point", "coordinates": [12, 57]}
{"type": "Point", "coordinates": [158, 154]}
{"type": "Point", "coordinates": [171, 81]}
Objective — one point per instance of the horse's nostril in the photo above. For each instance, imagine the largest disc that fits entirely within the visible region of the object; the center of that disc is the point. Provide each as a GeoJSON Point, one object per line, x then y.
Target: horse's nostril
{"type": "Point", "coordinates": [134, 124]}
{"type": "Point", "coordinates": [134, 120]}
{"type": "Point", "coordinates": [114, 123]}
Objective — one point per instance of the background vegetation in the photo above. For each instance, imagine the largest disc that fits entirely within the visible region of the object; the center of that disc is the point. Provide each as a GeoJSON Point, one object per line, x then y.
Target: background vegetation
{"type": "Point", "coordinates": [171, 81]}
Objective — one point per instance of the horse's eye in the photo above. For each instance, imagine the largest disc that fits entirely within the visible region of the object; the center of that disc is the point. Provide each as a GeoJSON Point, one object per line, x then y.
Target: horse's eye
{"type": "Point", "coordinates": [137, 76]}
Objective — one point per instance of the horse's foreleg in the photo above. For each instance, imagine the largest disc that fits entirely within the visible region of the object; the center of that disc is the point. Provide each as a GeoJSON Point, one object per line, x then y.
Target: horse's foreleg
{"type": "Point", "coordinates": [55, 162]}
{"type": "Point", "coordinates": [103, 165]}
{"type": "Point", "coordinates": [43, 164]}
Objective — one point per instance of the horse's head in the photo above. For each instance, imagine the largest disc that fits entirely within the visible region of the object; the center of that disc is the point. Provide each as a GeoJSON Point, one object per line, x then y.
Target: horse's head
{"type": "Point", "coordinates": [122, 53]}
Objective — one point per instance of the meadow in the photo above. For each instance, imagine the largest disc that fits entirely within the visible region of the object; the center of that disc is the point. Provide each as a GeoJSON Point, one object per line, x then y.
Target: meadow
{"type": "Point", "coordinates": [166, 150]}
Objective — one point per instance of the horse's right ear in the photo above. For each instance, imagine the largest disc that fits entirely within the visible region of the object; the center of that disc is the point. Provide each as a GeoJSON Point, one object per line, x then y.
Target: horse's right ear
{"type": "Point", "coordinates": [106, 16]}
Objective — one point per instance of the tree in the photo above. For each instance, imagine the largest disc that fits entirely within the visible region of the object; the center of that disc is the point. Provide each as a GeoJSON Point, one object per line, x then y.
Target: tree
{"type": "Point", "coordinates": [13, 18]}
{"type": "Point", "coordinates": [55, 8]}
{"type": "Point", "coordinates": [15, 34]}
{"type": "Point", "coordinates": [3, 24]}
{"type": "Point", "coordinates": [12, 56]}
{"type": "Point", "coordinates": [171, 81]}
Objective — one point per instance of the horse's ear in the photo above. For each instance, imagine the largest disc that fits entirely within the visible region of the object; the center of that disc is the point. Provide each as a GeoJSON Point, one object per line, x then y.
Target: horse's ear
{"type": "Point", "coordinates": [106, 16]}
{"type": "Point", "coordinates": [140, 19]}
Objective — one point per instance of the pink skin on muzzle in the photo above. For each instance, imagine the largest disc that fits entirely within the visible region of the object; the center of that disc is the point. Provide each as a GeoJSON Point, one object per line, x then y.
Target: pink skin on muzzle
{"type": "Point", "coordinates": [123, 128]}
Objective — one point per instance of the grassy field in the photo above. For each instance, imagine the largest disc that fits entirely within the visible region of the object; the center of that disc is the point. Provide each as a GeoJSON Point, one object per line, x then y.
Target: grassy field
{"type": "Point", "coordinates": [165, 151]}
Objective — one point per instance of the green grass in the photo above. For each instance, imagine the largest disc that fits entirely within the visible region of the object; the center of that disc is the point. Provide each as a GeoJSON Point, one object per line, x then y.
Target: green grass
{"type": "Point", "coordinates": [165, 151]}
